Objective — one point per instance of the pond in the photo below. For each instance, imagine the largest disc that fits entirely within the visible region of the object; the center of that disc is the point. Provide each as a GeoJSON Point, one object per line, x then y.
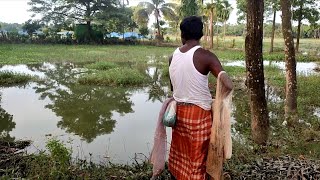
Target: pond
{"type": "Point", "coordinates": [111, 123]}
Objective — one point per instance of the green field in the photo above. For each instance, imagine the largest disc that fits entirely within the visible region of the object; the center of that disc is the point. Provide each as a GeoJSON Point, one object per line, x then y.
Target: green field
{"type": "Point", "coordinates": [28, 54]}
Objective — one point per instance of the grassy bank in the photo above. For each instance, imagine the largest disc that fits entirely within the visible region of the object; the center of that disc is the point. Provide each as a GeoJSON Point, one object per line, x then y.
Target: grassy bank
{"type": "Point", "coordinates": [56, 163]}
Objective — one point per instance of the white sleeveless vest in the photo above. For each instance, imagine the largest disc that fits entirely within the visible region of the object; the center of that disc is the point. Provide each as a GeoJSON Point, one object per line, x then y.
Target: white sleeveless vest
{"type": "Point", "coordinates": [189, 85]}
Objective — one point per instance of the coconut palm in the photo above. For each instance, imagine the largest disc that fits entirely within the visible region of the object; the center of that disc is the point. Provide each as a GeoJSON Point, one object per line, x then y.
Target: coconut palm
{"type": "Point", "coordinates": [223, 11]}
{"type": "Point", "coordinates": [157, 8]}
{"type": "Point", "coordinates": [210, 13]}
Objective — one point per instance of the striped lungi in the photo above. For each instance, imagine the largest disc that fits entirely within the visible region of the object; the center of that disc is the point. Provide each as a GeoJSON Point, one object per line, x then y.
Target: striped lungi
{"type": "Point", "coordinates": [189, 144]}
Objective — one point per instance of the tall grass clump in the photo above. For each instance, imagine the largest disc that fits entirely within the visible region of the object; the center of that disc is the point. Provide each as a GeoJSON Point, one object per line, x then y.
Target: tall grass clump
{"type": "Point", "coordinates": [101, 65]}
{"type": "Point", "coordinates": [55, 165]}
{"type": "Point", "coordinates": [114, 77]}
{"type": "Point", "coordinates": [8, 78]}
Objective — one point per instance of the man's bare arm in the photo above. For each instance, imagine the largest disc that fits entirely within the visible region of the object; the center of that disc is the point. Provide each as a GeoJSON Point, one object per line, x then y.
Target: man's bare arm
{"type": "Point", "coordinates": [170, 59]}
{"type": "Point", "coordinates": [216, 68]}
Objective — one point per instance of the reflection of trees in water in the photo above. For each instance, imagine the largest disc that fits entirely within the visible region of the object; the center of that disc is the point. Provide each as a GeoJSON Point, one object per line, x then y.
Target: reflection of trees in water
{"type": "Point", "coordinates": [242, 112]}
{"type": "Point", "coordinates": [6, 124]}
{"type": "Point", "coordinates": [84, 110]}
{"type": "Point", "coordinates": [158, 88]}
{"type": "Point", "coordinates": [87, 111]}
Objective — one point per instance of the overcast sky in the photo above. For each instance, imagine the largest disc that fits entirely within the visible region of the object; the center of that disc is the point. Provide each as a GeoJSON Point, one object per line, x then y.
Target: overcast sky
{"type": "Point", "coordinates": [15, 11]}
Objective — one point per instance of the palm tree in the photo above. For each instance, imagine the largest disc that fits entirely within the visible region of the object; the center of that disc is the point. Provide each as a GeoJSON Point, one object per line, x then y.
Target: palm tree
{"type": "Point", "coordinates": [210, 11]}
{"type": "Point", "coordinates": [156, 7]}
{"type": "Point", "coordinates": [223, 11]}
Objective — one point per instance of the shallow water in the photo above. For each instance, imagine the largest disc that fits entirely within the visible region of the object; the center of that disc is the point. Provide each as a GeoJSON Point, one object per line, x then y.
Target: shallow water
{"type": "Point", "coordinates": [303, 68]}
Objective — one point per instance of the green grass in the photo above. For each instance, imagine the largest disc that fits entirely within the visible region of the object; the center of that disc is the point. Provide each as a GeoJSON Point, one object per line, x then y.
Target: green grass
{"type": "Point", "coordinates": [10, 78]}
{"type": "Point", "coordinates": [114, 77]}
{"type": "Point", "coordinates": [31, 54]}
{"type": "Point", "coordinates": [55, 162]}
{"type": "Point", "coordinates": [101, 65]}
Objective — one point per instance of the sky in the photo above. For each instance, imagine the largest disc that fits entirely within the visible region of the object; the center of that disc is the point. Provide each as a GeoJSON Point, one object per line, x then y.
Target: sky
{"type": "Point", "coordinates": [16, 11]}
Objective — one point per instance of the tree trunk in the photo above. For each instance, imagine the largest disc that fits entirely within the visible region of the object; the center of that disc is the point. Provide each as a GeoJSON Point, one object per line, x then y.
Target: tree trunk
{"type": "Point", "coordinates": [273, 29]}
{"type": "Point", "coordinates": [291, 77]}
{"type": "Point", "coordinates": [224, 33]}
{"type": "Point", "coordinates": [158, 36]}
{"type": "Point", "coordinates": [298, 35]}
{"type": "Point", "coordinates": [211, 29]}
{"type": "Point", "coordinates": [299, 26]}
{"type": "Point", "coordinates": [217, 36]}
{"type": "Point", "coordinates": [255, 74]}
{"type": "Point", "coordinates": [89, 36]}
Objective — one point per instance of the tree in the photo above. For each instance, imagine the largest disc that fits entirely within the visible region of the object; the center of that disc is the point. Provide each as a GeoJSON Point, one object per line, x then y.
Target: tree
{"type": "Point", "coordinates": [188, 8]}
{"type": "Point", "coordinates": [255, 74]}
{"type": "Point", "coordinates": [144, 31]}
{"type": "Point", "coordinates": [304, 9]}
{"type": "Point", "coordinates": [119, 21]}
{"type": "Point", "coordinates": [156, 7]}
{"type": "Point", "coordinates": [242, 13]}
{"type": "Point", "coordinates": [140, 16]}
{"type": "Point", "coordinates": [174, 20]}
{"type": "Point", "coordinates": [81, 11]}
{"type": "Point", "coordinates": [31, 26]}
{"type": "Point", "coordinates": [290, 60]}
{"type": "Point", "coordinates": [242, 10]}
{"type": "Point", "coordinates": [210, 10]}
{"type": "Point", "coordinates": [224, 12]}
{"type": "Point", "coordinates": [274, 6]}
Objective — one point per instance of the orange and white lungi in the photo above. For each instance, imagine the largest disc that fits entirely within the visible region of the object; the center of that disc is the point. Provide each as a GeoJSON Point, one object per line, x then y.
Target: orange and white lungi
{"type": "Point", "coordinates": [189, 144]}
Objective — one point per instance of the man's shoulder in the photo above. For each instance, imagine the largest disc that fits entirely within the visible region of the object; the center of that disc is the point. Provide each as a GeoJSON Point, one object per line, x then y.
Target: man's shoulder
{"type": "Point", "coordinates": [206, 54]}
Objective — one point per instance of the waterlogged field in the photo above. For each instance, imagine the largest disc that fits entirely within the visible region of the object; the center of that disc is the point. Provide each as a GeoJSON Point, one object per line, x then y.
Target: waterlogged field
{"type": "Point", "coordinates": [103, 101]}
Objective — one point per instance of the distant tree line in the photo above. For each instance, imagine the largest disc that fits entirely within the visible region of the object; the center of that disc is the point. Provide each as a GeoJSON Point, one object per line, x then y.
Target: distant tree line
{"type": "Point", "coordinates": [91, 20]}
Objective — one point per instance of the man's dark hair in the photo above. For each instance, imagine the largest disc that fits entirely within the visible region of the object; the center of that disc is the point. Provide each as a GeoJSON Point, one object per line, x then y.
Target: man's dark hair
{"type": "Point", "coordinates": [191, 28]}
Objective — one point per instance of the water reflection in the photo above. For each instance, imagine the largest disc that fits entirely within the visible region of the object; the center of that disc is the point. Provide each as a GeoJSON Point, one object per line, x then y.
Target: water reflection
{"type": "Point", "coordinates": [84, 110]}
{"type": "Point", "coordinates": [304, 68]}
{"type": "Point", "coordinates": [6, 124]}
{"type": "Point", "coordinates": [158, 88]}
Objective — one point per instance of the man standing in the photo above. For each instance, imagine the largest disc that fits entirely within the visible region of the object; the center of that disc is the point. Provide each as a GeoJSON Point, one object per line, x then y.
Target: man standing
{"type": "Point", "coordinates": [189, 69]}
